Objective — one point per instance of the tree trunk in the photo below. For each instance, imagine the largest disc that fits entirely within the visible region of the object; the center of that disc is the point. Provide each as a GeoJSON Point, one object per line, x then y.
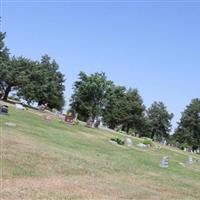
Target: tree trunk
{"type": "Point", "coordinates": [124, 127]}
{"type": "Point", "coordinates": [127, 128]}
{"type": "Point", "coordinates": [7, 91]}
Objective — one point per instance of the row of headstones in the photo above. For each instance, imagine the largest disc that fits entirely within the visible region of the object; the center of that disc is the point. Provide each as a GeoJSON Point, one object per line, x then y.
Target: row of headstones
{"type": "Point", "coordinates": [93, 123]}
{"type": "Point", "coordinates": [128, 142]}
{"type": "Point", "coordinates": [191, 151]}
{"type": "Point", "coordinates": [165, 161]}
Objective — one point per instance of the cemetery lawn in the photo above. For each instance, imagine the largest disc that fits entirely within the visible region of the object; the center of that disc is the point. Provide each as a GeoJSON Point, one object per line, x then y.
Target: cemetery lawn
{"type": "Point", "coordinates": [43, 160]}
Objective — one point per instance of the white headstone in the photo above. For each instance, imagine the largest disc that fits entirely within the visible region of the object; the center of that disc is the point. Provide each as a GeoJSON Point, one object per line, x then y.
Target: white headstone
{"type": "Point", "coordinates": [10, 124]}
{"type": "Point", "coordinates": [128, 142]}
{"type": "Point", "coordinates": [185, 149]}
{"type": "Point", "coordinates": [19, 107]}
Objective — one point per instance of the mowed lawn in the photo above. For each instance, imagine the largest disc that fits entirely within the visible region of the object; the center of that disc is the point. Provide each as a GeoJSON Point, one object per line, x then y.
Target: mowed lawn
{"type": "Point", "coordinates": [52, 160]}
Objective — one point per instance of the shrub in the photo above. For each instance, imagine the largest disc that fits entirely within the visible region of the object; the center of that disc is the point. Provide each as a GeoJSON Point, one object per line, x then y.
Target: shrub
{"type": "Point", "coordinates": [76, 122]}
{"type": "Point", "coordinates": [183, 146]}
{"type": "Point", "coordinates": [148, 142]}
{"type": "Point", "coordinates": [14, 98]}
{"type": "Point", "coordinates": [118, 140]}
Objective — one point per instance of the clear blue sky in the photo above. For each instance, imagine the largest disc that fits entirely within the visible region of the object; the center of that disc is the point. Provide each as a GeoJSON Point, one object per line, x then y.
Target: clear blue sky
{"type": "Point", "coordinates": [152, 46]}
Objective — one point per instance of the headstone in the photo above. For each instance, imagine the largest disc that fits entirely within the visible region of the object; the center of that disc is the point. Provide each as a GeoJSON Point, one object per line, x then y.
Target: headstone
{"type": "Point", "coordinates": [97, 122]}
{"type": "Point", "coordinates": [165, 162]}
{"type": "Point", "coordinates": [10, 124]}
{"type": "Point", "coordinates": [55, 111]}
{"type": "Point", "coordinates": [113, 142]}
{"type": "Point", "coordinates": [190, 160]}
{"type": "Point", "coordinates": [189, 149]}
{"type": "Point", "coordinates": [90, 122]}
{"type": "Point", "coordinates": [19, 106]}
{"type": "Point", "coordinates": [42, 108]}
{"type": "Point", "coordinates": [128, 142]}
{"type": "Point", "coordinates": [69, 119]}
{"type": "Point", "coordinates": [61, 117]}
{"type": "Point", "coordinates": [4, 109]}
{"type": "Point", "coordinates": [164, 142]}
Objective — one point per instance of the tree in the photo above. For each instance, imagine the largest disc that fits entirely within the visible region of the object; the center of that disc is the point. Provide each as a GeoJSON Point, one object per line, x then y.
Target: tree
{"type": "Point", "coordinates": [116, 107]}
{"type": "Point", "coordinates": [4, 62]}
{"type": "Point", "coordinates": [44, 84]}
{"type": "Point", "coordinates": [159, 121]}
{"type": "Point", "coordinates": [135, 112]}
{"type": "Point", "coordinates": [13, 74]}
{"type": "Point", "coordinates": [89, 95]}
{"type": "Point", "coordinates": [188, 130]}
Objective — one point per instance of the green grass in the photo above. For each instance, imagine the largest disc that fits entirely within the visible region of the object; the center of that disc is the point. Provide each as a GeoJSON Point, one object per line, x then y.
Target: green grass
{"type": "Point", "coordinates": [52, 160]}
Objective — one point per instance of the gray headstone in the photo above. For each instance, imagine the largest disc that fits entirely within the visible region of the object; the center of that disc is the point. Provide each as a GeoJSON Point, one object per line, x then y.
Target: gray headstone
{"type": "Point", "coordinates": [90, 122]}
{"type": "Point", "coordinates": [128, 142]}
{"type": "Point", "coordinates": [113, 142]}
{"type": "Point", "coordinates": [4, 109]}
{"type": "Point", "coordinates": [190, 160]}
{"type": "Point", "coordinates": [165, 162]}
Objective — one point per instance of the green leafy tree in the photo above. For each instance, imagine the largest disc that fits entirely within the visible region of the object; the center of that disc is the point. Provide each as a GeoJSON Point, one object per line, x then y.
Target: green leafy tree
{"type": "Point", "coordinates": [116, 107]}
{"type": "Point", "coordinates": [40, 82]}
{"type": "Point", "coordinates": [44, 84]}
{"type": "Point", "coordinates": [4, 62]}
{"type": "Point", "coordinates": [89, 95]}
{"type": "Point", "coordinates": [13, 74]}
{"type": "Point", "coordinates": [188, 131]}
{"type": "Point", "coordinates": [135, 112]}
{"type": "Point", "coordinates": [159, 121]}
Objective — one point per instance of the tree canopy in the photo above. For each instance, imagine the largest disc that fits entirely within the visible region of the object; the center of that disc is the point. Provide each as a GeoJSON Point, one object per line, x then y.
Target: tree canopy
{"type": "Point", "coordinates": [89, 94]}
{"type": "Point", "coordinates": [4, 61]}
{"type": "Point", "coordinates": [188, 131]}
{"type": "Point", "coordinates": [44, 84]}
{"type": "Point", "coordinates": [159, 121]}
{"type": "Point", "coordinates": [116, 108]}
{"type": "Point", "coordinates": [35, 81]}
{"type": "Point", "coordinates": [136, 111]}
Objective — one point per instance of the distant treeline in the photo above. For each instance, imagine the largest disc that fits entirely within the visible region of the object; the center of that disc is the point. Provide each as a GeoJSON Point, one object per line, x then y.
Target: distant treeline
{"type": "Point", "coordinates": [94, 97]}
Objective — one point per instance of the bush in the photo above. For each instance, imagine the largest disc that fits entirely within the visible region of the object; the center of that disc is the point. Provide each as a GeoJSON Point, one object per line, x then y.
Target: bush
{"type": "Point", "coordinates": [77, 122]}
{"type": "Point", "coordinates": [183, 146]}
{"type": "Point", "coordinates": [148, 142]}
{"type": "Point", "coordinates": [14, 98]}
{"type": "Point", "coordinates": [118, 140]}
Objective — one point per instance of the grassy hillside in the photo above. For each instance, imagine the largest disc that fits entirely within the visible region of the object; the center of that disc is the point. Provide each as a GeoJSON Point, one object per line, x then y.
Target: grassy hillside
{"type": "Point", "coordinates": [52, 160]}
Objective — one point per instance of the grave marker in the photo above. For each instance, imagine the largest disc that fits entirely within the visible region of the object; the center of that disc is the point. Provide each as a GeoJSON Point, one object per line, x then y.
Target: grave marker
{"type": "Point", "coordinates": [165, 162]}
{"type": "Point", "coordinates": [190, 160]}
{"type": "Point", "coordinates": [128, 142]}
{"type": "Point", "coordinates": [4, 109]}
